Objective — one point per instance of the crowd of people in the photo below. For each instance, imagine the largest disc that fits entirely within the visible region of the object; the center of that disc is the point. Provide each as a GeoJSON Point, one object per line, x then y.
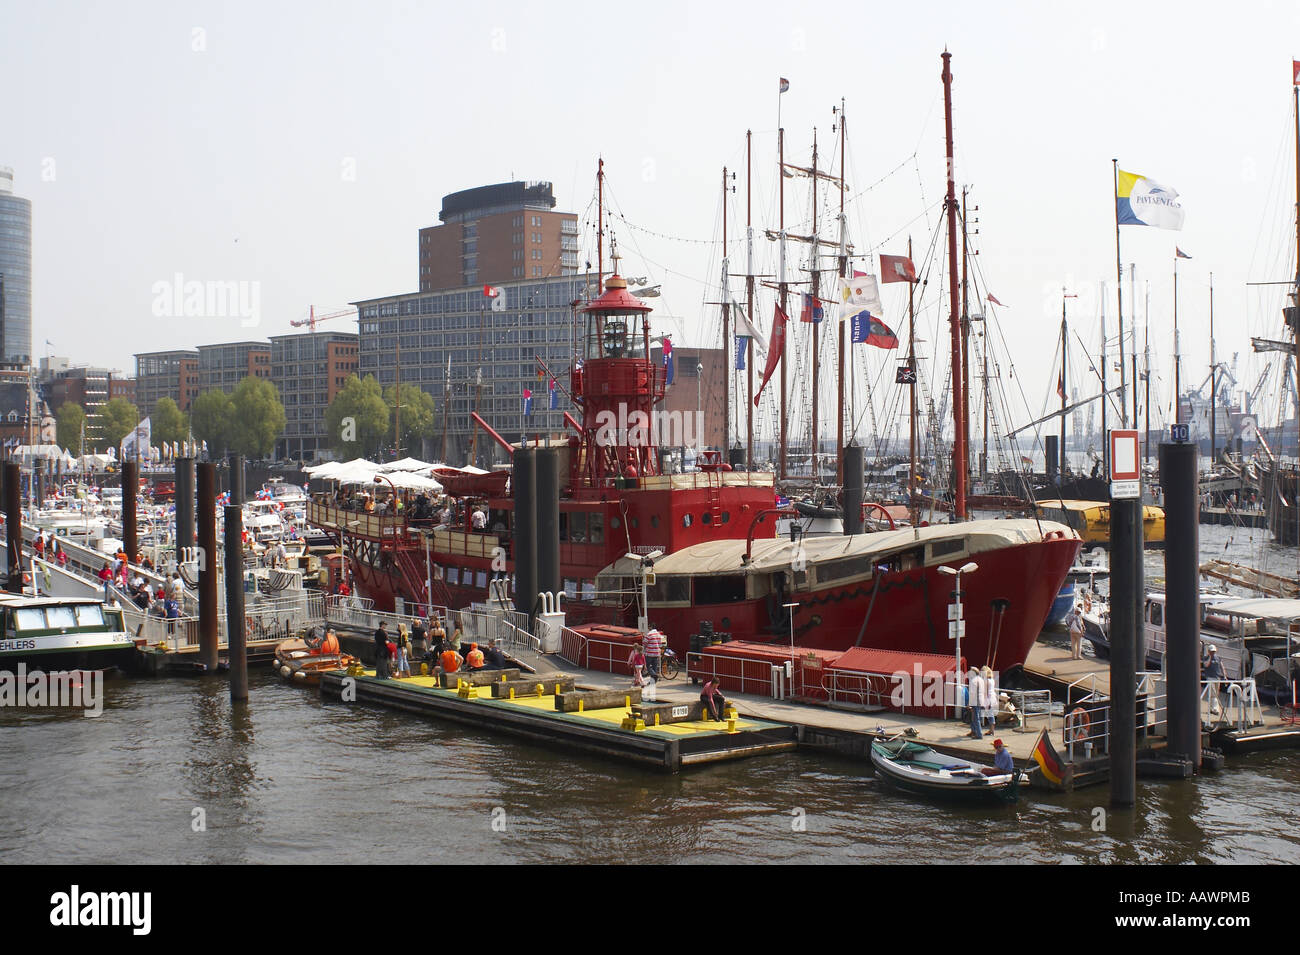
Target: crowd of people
{"type": "Point", "coordinates": [427, 641]}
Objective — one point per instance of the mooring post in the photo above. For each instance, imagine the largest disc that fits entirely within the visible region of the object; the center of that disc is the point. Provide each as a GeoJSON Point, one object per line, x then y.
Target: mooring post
{"type": "Point", "coordinates": [235, 637]}
{"type": "Point", "coordinates": [548, 520]}
{"type": "Point", "coordinates": [1182, 604]}
{"type": "Point", "coordinates": [207, 521]}
{"type": "Point", "coordinates": [184, 484]}
{"type": "Point", "coordinates": [1123, 638]}
{"type": "Point", "coordinates": [523, 482]}
{"type": "Point", "coordinates": [236, 479]}
{"type": "Point", "coordinates": [1052, 455]}
{"type": "Point", "coordinates": [14, 526]}
{"type": "Point", "coordinates": [130, 489]}
{"type": "Point", "coordinates": [853, 489]}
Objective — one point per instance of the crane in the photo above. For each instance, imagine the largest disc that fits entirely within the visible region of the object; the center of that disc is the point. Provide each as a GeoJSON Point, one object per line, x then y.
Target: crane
{"type": "Point", "coordinates": [312, 318]}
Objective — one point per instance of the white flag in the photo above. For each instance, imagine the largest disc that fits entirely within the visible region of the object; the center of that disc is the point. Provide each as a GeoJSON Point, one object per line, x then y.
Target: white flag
{"type": "Point", "coordinates": [861, 291]}
{"type": "Point", "coordinates": [747, 329]}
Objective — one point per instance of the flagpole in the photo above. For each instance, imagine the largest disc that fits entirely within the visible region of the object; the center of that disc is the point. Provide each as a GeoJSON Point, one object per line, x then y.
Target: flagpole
{"type": "Point", "coordinates": [749, 302]}
{"type": "Point", "coordinates": [1119, 292]}
{"type": "Point", "coordinates": [1105, 395]}
{"type": "Point", "coordinates": [1133, 351]}
{"type": "Point", "coordinates": [1178, 369]}
{"type": "Point", "coordinates": [1146, 361]}
{"type": "Point", "coordinates": [912, 504]}
{"type": "Point", "coordinates": [815, 443]}
{"type": "Point", "coordinates": [1214, 384]}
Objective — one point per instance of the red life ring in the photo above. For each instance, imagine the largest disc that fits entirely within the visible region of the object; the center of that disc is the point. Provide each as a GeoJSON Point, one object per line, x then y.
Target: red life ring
{"type": "Point", "coordinates": [1077, 725]}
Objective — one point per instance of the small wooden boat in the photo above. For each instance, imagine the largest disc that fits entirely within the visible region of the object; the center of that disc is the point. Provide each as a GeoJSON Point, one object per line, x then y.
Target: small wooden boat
{"type": "Point", "coordinates": [299, 663]}
{"type": "Point", "coordinates": [916, 768]}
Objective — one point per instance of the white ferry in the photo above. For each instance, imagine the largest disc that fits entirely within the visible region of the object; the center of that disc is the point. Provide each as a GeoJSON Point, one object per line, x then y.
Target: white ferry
{"type": "Point", "coordinates": [63, 633]}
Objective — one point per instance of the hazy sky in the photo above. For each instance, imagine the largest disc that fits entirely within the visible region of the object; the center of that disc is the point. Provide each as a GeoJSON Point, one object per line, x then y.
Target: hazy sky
{"type": "Point", "coordinates": [300, 146]}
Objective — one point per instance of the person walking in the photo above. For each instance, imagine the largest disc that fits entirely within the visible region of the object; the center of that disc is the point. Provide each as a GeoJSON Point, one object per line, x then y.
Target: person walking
{"type": "Point", "coordinates": [403, 652]}
{"type": "Point", "coordinates": [655, 642]}
{"type": "Point", "coordinates": [636, 660]}
{"type": "Point", "coordinates": [1074, 621]}
{"type": "Point", "coordinates": [974, 703]}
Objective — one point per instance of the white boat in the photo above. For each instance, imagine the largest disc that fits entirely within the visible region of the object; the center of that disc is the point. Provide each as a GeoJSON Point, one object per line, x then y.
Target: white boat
{"type": "Point", "coordinates": [62, 633]}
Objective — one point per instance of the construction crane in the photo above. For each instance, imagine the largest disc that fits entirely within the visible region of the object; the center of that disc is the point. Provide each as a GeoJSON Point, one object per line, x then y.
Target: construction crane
{"type": "Point", "coordinates": [312, 318]}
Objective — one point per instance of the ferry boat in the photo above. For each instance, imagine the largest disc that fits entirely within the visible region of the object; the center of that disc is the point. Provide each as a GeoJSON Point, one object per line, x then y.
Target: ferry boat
{"type": "Point", "coordinates": [723, 563]}
{"type": "Point", "coordinates": [62, 633]}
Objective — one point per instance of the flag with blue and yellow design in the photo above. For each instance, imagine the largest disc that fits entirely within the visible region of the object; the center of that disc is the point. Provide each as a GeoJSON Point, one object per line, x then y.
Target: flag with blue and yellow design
{"type": "Point", "coordinates": [1143, 201]}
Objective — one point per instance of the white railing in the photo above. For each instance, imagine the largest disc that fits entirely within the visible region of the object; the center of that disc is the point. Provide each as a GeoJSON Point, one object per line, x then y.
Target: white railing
{"type": "Point", "coordinates": [1243, 703]}
{"type": "Point", "coordinates": [265, 620]}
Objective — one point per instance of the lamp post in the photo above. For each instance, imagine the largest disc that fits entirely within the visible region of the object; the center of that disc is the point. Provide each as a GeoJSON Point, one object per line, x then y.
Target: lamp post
{"type": "Point", "coordinates": [957, 623]}
{"type": "Point", "coordinates": [428, 571]}
{"type": "Point", "coordinates": [790, 613]}
{"type": "Point", "coordinates": [646, 561]}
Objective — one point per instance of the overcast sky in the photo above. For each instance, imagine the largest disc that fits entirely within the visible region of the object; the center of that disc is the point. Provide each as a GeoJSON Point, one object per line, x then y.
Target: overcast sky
{"type": "Point", "coordinates": [300, 146]}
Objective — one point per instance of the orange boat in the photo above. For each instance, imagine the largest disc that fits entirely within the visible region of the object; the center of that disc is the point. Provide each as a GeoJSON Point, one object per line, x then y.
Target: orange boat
{"type": "Point", "coordinates": [298, 662]}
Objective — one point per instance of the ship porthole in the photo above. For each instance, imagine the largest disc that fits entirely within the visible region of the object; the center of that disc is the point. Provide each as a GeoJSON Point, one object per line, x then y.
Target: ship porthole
{"type": "Point", "coordinates": [686, 520]}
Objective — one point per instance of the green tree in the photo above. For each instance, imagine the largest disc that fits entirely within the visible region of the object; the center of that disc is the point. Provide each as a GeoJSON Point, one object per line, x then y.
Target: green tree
{"type": "Point", "coordinates": [70, 420]}
{"type": "Point", "coordinates": [357, 420]}
{"type": "Point", "coordinates": [168, 423]}
{"type": "Point", "coordinates": [259, 417]}
{"type": "Point", "coordinates": [117, 418]}
{"type": "Point", "coordinates": [417, 416]}
{"type": "Point", "coordinates": [212, 418]}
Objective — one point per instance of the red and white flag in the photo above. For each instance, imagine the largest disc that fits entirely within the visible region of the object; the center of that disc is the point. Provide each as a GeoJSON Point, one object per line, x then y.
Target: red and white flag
{"type": "Point", "coordinates": [785, 84]}
{"type": "Point", "coordinates": [492, 291]}
{"type": "Point", "coordinates": [896, 268]}
{"type": "Point", "coordinates": [994, 299]}
{"type": "Point", "coordinates": [1295, 73]}
{"type": "Point", "coordinates": [776, 348]}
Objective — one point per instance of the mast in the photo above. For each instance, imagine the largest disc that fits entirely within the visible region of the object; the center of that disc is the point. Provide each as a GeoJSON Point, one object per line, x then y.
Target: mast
{"type": "Point", "coordinates": [844, 265]}
{"type": "Point", "coordinates": [1146, 361]}
{"type": "Point", "coordinates": [1064, 389]}
{"type": "Point", "coordinates": [954, 320]}
{"type": "Point", "coordinates": [749, 305]}
{"type": "Point", "coordinates": [1133, 325]}
{"type": "Point", "coordinates": [397, 398]}
{"type": "Point", "coordinates": [1214, 383]}
{"type": "Point", "coordinates": [816, 326]}
{"type": "Point", "coordinates": [1119, 292]}
{"type": "Point", "coordinates": [1105, 396]}
{"type": "Point", "coordinates": [781, 286]}
{"type": "Point", "coordinates": [726, 323]}
{"type": "Point", "coordinates": [600, 226]}
{"type": "Point", "coordinates": [914, 508]}
{"type": "Point", "coordinates": [965, 339]}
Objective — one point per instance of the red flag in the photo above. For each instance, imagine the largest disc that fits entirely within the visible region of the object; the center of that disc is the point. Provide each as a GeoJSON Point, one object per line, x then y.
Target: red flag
{"type": "Point", "coordinates": [1295, 72]}
{"type": "Point", "coordinates": [896, 268]}
{"type": "Point", "coordinates": [775, 349]}
{"type": "Point", "coordinates": [994, 300]}
{"type": "Point", "coordinates": [1060, 385]}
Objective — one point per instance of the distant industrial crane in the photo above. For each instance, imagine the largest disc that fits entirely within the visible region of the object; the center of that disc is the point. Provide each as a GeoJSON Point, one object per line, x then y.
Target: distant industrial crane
{"type": "Point", "coordinates": [312, 318]}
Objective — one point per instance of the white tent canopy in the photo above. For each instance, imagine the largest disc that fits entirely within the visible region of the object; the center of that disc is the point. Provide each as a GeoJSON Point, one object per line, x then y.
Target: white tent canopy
{"type": "Point", "coordinates": [406, 464]}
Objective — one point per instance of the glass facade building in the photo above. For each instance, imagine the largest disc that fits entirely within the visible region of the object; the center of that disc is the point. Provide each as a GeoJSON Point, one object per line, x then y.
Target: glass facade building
{"type": "Point", "coordinates": [535, 320]}
{"type": "Point", "coordinates": [15, 274]}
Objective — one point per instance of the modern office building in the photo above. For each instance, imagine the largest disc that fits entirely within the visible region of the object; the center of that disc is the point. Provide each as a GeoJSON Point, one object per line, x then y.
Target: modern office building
{"type": "Point", "coordinates": [532, 319]}
{"type": "Point", "coordinates": [491, 234]}
{"type": "Point", "coordinates": [224, 366]}
{"type": "Point", "coordinates": [309, 369]}
{"type": "Point", "coordinates": [15, 274]}
{"type": "Point", "coordinates": [90, 387]}
{"type": "Point", "coordinates": [166, 374]}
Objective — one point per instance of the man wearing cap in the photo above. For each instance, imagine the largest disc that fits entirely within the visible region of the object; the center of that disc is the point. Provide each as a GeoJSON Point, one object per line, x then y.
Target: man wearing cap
{"type": "Point", "coordinates": [1212, 672]}
{"type": "Point", "coordinates": [1002, 758]}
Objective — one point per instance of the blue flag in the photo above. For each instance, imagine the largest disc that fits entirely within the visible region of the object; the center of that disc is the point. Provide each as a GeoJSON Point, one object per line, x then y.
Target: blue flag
{"type": "Point", "coordinates": [528, 402]}
{"type": "Point", "coordinates": [555, 396]}
{"type": "Point", "coordinates": [742, 344]}
{"type": "Point", "coordinates": [668, 361]}
{"type": "Point", "coordinates": [867, 329]}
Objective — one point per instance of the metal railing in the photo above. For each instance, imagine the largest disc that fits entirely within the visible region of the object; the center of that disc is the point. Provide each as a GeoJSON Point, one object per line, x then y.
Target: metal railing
{"type": "Point", "coordinates": [265, 620]}
{"type": "Point", "coordinates": [1243, 702]}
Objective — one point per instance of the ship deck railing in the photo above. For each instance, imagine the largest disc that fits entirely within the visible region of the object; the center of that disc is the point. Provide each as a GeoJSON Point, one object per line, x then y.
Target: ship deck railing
{"type": "Point", "coordinates": [265, 620]}
{"type": "Point", "coordinates": [1242, 709]}
{"type": "Point", "coordinates": [444, 539]}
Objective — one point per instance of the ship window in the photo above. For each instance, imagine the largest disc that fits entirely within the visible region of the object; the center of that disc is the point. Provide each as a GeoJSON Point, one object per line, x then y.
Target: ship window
{"type": "Point", "coordinates": [1157, 615]}
{"type": "Point", "coordinates": [706, 518]}
{"type": "Point", "coordinates": [29, 618]}
{"type": "Point", "coordinates": [90, 615]}
{"type": "Point", "coordinates": [726, 517]}
{"type": "Point", "coordinates": [654, 520]}
{"type": "Point", "coordinates": [613, 523]}
{"type": "Point", "coordinates": [719, 590]}
{"type": "Point", "coordinates": [596, 528]}
{"type": "Point", "coordinates": [841, 569]}
{"type": "Point", "coordinates": [670, 590]}
{"type": "Point", "coordinates": [453, 575]}
{"type": "Point", "coordinates": [60, 617]}
{"type": "Point", "coordinates": [687, 520]}
{"type": "Point", "coordinates": [940, 548]}
{"type": "Point", "coordinates": [480, 579]}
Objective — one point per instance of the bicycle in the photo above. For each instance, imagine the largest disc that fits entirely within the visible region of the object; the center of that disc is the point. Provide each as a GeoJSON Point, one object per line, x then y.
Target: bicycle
{"type": "Point", "coordinates": [670, 665]}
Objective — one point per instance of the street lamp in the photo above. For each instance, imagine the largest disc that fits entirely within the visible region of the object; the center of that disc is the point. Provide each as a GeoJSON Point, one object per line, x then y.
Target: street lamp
{"type": "Point", "coordinates": [646, 561]}
{"type": "Point", "coordinates": [428, 570]}
{"type": "Point", "coordinates": [789, 608]}
{"type": "Point", "coordinates": [956, 623]}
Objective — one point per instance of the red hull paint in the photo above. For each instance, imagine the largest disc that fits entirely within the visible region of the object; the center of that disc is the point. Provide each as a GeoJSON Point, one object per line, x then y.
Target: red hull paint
{"type": "Point", "coordinates": [1028, 575]}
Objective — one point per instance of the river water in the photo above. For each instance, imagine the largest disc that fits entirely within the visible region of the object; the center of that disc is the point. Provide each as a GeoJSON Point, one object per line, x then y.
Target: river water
{"type": "Point", "coordinates": [171, 772]}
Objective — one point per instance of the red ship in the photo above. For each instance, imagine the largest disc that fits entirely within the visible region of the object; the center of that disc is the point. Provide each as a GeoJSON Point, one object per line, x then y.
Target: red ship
{"type": "Point", "coordinates": [722, 565]}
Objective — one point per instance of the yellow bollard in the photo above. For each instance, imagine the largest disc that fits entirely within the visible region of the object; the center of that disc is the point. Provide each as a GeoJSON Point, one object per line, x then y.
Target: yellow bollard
{"type": "Point", "coordinates": [541, 689]}
{"type": "Point", "coordinates": [512, 693]}
{"type": "Point", "coordinates": [627, 701]}
{"type": "Point", "coordinates": [424, 669]}
{"type": "Point", "coordinates": [581, 705]}
{"type": "Point", "coordinates": [656, 718]}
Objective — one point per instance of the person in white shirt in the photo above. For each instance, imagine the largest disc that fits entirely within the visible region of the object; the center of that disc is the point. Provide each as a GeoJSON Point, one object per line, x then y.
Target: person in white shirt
{"type": "Point", "coordinates": [976, 696]}
{"type": "Point", "coordinates": [479, 520]}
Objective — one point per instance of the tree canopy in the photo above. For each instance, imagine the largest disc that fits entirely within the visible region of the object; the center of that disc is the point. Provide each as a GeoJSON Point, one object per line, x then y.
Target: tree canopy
{"type": "Point", "coordinates": [417, 417]}
{"type": "Point", "coordinates": [168, 423]}
{"type": "Point", "coordinates": [357, 420]}
{"type": "Point", "coordinates": [117, 418]}
{"type": "Point", "coordinates": [259, 417]}
{"type": "Point", "coordinates": [212, 417]}
{"type": "Point", "coordinates": [71, 417]}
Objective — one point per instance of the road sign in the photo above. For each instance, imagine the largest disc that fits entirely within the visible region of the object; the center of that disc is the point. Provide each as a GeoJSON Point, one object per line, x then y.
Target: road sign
{"type": "Point", "coordinates": [1124, 463]}
{"type": "Point", "coordinates": [954, 611]}
{"type": "Point", "coordinates": [1125, 490]}
{"type": "Point", "coordinates": [1180, 433]}
{"type": "Point", "coordinates": [956, 629]}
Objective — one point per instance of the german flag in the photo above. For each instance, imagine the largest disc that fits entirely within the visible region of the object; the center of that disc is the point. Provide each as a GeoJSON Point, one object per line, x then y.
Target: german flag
{"type": "Point", "coordinates": [1047, 759]}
